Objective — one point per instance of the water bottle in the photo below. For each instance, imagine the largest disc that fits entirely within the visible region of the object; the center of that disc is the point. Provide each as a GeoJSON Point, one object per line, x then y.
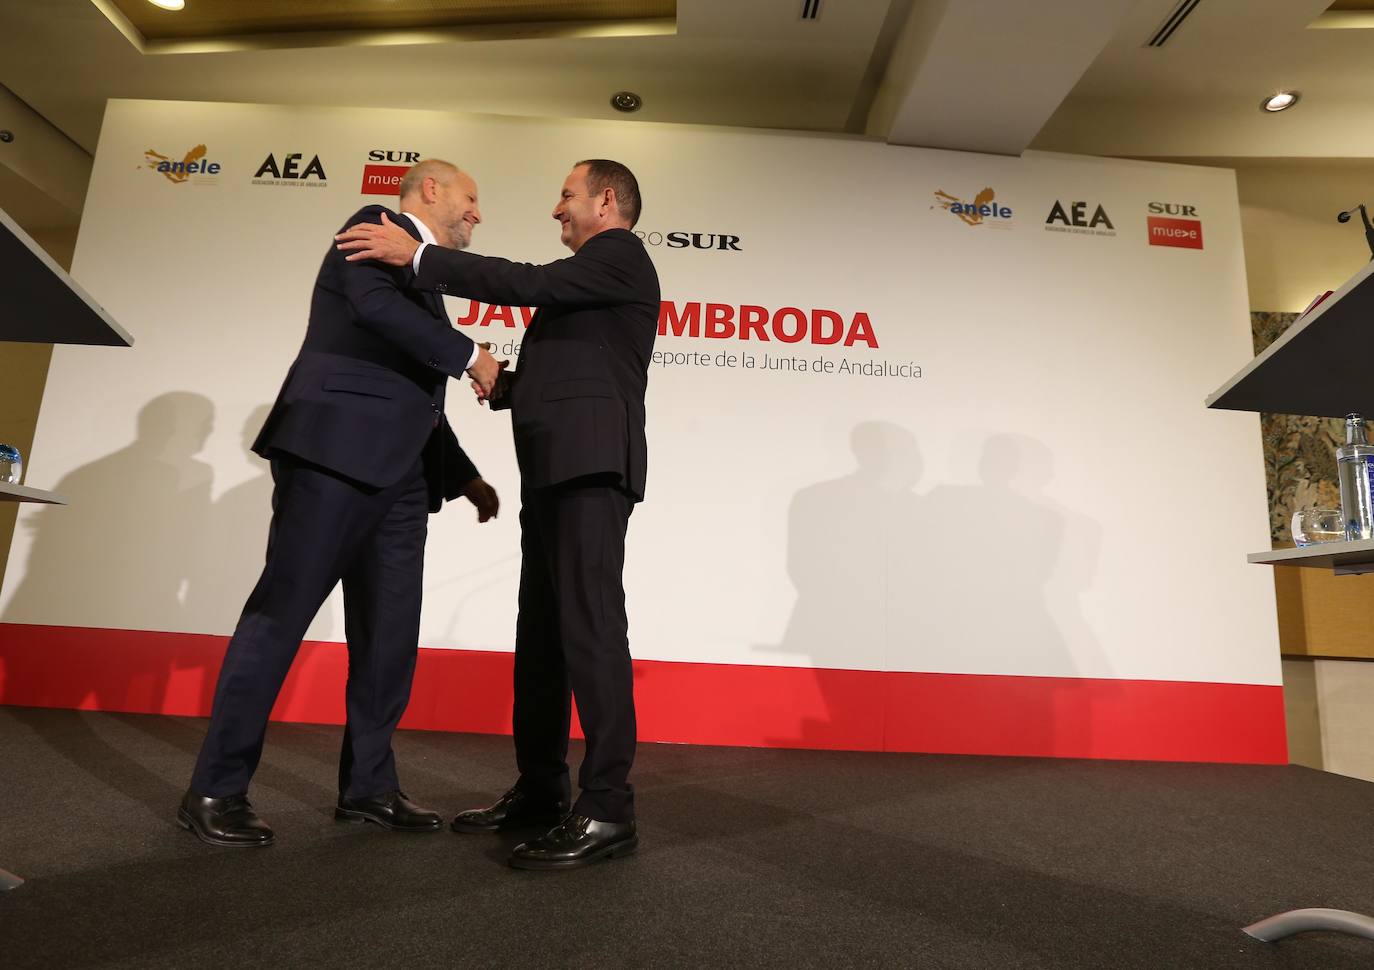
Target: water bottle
{"type": "Point", "coordinates": [1355, 466]}
{"type": "Point", "coordinates": [11, 465]}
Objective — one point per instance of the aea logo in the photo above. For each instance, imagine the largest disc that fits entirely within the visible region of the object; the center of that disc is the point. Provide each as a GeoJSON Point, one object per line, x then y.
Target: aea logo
{"type": "Point", "coordinates": [1075, 219]}
{"type": "Point", "coordinates": [1164, 228]}
{"type": "Point", "coordinates": [290, 171]}
{"type": "Point", "coordinates": [380, 178]}
{"type": "Point", "coordinates": [180, 171]}
{"type": "Point", "coordinates": [982, 211]}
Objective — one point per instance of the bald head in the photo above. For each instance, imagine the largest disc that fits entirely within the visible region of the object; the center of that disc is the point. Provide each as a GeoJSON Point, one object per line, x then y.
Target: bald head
{"type": "Point", "coordinates": [431, 168]}
{"type": "Point", "coordinates": [444, 198]}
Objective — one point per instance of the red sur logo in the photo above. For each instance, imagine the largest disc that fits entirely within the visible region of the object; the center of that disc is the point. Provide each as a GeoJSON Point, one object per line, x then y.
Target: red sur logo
{"type": "Point", "coordinates": [1182, 233]}
{"type": "Point", "coordinates": [383, 179]}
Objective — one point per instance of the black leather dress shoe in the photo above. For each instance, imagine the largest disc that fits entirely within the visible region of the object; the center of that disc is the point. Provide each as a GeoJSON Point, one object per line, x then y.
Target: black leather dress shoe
{"type": "Point", "coordinates": [223, 821]}
{"type": "Point", "coordinates": [513, 808]}
{"type": "Point", "coordinates": [576, 841]}
{"type": "Point", "coordinates": [392, 810]}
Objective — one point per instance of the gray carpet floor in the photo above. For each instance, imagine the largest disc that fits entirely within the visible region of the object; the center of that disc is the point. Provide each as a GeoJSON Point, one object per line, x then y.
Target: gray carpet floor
{"type": "Point", "coordinates": [748, 857]}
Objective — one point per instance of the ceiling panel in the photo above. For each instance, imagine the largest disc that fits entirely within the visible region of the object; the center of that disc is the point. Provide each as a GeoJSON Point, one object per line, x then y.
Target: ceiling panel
{"type": "Point", "coordinates": [215, 18]}
{"type": "Point", "coordinates": [747, 63]}
{"type": "Point", "coordinates": [755, 63]}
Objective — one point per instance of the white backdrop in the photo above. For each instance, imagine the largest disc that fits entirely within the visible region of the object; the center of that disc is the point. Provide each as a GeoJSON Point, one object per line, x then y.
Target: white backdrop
{"type": "Point", "coordinates": [1050, 497]}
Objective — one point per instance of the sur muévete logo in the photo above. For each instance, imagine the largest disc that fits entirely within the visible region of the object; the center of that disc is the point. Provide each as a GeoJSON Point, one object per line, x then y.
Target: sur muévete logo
{"type": "Point", "coordinates": [982, 210]}
{"type": "Point", "coordinates": [1174, 224]}
{"type": "Point", "coordinates": [194, 167]}
{"type": "Point", "coordinates": [384, 169]}
{"type": "Point", "coordinates": [291, 169]}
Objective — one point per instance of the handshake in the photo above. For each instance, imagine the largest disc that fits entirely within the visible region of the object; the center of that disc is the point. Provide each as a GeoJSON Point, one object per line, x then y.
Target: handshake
{"type": "Point", "coordinates": [490, 380]}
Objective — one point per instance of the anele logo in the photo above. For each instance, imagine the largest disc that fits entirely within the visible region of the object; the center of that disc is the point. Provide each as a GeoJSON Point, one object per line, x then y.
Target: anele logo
{"type": "Point", "coordinates": [982, 211]}
{"type": "Point", "coordinates": [1179, 233]}
{"type": "Point", "coordinates": [386, 179]}
{"type": "Point", "coordinates": [1075, 219]}
{"type": "Point", "coordinates": [179, 172]}
{"type": "Point", "coordinates": [291, 172]}
{"type": "Point", "coordinates": [678, 239]}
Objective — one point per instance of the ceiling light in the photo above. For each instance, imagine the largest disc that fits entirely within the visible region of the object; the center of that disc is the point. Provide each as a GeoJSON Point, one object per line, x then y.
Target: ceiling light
{"type": "Point", "coordinates": [1280, 101]}
{"type": "Point", "coordinates": [626, 101]}
{"type": "Point", "coordinates": [168, 4]}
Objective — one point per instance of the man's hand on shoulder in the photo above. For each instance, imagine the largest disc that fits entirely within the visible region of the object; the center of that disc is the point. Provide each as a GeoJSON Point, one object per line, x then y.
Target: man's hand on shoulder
{"type": "Point", "coordinates": [484, 498]}
{"type": "Point", "coordinates": [385, 242]}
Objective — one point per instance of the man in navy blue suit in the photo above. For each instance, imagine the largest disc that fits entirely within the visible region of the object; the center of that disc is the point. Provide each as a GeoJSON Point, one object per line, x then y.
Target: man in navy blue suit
{"type": "Point", "coordinates": [361, 453]}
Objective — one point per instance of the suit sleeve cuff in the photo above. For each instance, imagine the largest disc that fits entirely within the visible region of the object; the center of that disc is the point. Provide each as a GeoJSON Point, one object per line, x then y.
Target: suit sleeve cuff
{"type": "Point", "coordinates": [476, 349]}
{"type": "Point", "coordinates": [415, 263]}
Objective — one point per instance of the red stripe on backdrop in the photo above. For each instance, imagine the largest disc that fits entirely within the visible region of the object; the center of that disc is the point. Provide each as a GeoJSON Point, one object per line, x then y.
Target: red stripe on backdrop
{"type": "Point", "coordinates": [726, 704]}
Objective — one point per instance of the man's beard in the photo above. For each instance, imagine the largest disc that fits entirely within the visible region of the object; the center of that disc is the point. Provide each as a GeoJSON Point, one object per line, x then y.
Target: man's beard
{"type": "Point", "coordinates": [461, 234]}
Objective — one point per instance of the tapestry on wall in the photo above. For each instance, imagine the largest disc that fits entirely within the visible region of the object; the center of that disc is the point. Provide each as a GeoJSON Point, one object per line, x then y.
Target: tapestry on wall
{"type": "Point", "coordinates": [1299, 452]}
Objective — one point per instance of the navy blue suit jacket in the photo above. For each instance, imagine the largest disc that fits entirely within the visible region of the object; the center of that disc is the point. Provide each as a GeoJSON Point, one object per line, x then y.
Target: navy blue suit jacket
{"type": "Point", "coordinates": [365, 396]}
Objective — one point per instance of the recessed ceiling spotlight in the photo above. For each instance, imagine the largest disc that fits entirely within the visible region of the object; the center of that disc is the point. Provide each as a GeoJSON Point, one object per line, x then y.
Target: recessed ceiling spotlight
{"type": "Point", "coordinates": [626, 101]}
{"type": "Point", "coordinates": [1281, 101]}
{"type": "Point", "coordinates": [168, 4]}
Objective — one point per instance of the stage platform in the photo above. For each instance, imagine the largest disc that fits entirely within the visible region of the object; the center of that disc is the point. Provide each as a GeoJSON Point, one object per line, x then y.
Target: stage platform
{"type": "Point", "coordinates": [749, 857]}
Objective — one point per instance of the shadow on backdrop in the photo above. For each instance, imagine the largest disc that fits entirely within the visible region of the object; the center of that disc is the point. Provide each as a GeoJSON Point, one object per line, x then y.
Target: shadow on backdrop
{"type": "Point", "coordinates": [984, 578]}
{"type": "Point", "coordinates": [994, 586]}
{"type": "Point", "coordinates": [224, 568]}
{"type": "Point", "coordinates": [843, 538]}
{"type": "Point", "coordinates": [120, 556]}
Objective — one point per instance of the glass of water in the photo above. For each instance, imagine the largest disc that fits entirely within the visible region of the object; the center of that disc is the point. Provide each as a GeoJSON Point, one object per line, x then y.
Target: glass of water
{"type": "Point", "coordinates": [1311, 526]}
{"type": "Point", "coordinates": [11, 465]}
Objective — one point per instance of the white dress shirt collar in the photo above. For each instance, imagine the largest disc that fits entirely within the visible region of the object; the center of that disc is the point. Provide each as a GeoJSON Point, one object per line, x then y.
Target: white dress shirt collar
{"type": "Point", "coordinates": [426, 236]}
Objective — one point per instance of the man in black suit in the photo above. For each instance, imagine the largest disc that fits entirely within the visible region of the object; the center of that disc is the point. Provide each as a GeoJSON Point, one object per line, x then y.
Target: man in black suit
{"type": "Point", "coordinates": [361, 453]}
{"type": "Point", "coordinates": [577, 409]}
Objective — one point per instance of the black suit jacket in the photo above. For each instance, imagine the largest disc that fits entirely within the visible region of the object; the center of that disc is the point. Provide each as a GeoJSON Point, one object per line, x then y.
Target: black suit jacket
{"type": "Point", "coordinates": [365, 395]}
{"type": "Point", "coordinates": [577, 397]}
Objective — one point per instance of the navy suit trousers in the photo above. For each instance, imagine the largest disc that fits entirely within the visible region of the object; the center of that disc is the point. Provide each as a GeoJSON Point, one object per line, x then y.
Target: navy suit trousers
{"type": "Point", "coordinates": [326, 529]}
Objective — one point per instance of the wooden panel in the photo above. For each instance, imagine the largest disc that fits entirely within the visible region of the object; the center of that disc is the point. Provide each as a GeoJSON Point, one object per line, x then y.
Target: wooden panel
{"type": "Point", "coordinates": [1324, 615]}
{"type": "Point", "coordinates": [26, 371]}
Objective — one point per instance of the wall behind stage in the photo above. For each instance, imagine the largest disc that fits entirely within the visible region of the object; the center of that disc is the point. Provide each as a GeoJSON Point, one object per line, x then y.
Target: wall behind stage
{"type": "Point", "coordinates": [921, 477]}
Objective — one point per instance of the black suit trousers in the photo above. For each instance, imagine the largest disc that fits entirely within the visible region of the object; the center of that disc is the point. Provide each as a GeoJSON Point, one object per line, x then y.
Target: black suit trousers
{"type": "Point", "coordinates": [326, 529]}
{"type": "Point", "coordinates": [572, 638]}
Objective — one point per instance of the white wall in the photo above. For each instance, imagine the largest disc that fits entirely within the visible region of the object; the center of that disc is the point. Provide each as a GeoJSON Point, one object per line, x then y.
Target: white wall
{"type": "Point", "coordinates": [1049, 498]}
